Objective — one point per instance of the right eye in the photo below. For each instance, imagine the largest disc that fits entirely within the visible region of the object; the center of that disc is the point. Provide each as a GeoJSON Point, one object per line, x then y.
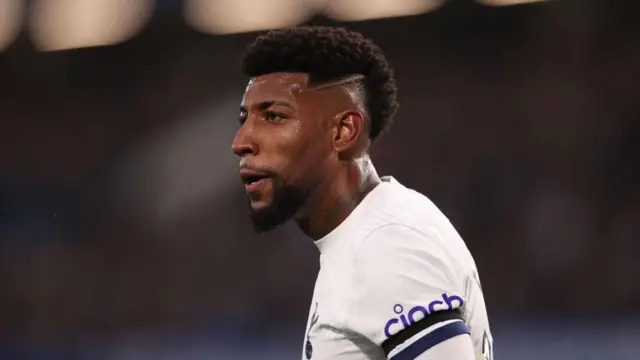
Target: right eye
{"type": "Point", "coordinates": [243, 118]}
{"type": "Point", "coordinates": [272, 116]}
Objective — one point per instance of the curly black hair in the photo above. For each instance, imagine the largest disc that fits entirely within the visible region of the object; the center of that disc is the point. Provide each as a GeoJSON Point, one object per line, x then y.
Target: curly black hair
{"type": "Point", "coordinates": [326, 54]}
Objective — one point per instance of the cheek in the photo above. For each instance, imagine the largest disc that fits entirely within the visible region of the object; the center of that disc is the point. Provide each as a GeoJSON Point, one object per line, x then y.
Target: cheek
{"type": "Point", "coordinates": [284, 149]}
{"type": "Point", "coordinates": [298, 152]}
{"type": "Point", "coordinates": [310, 159]}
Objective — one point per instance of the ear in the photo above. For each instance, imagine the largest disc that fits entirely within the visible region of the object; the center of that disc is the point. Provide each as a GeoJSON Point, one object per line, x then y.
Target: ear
{"type": "Point", "coordinates": [349, 127]}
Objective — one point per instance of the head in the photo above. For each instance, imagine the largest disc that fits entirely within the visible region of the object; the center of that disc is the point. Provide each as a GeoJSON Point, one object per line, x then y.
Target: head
{"type": "Point", "coordinates": [316, 99]}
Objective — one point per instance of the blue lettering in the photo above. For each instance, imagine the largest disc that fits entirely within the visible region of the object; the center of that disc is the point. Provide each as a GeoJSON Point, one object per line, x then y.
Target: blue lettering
{"type": "Point", "coordinates": [449, 300]}
{"type": "Point", "coordinates": [398, 309]}
{"type": "Point", "coordinates": [433, 304]}
{"type": "Point", "coordinates": [405, 323]}
{"type": "Point", "coordinates": [387, 328]}
{"type": "Point", "coordinates": [418, 313]}
{"type": "Point", "coordinates": [417, 309]}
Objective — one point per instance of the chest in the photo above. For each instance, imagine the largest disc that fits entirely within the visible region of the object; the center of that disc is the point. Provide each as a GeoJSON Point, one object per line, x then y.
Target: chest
{"type": "Point", "coordinates": [327, 334]}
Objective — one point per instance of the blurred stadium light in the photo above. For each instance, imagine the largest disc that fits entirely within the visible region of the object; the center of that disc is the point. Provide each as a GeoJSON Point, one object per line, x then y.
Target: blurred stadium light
{"type": "Point", "coordinates": [69, 24]}
{"type": "Point", "coordinates": [237, 16]}
{"type": "Point", "coordinates": [11, 14]}
{"type": "Point", "coordinates": [358, 10]}
{"type": "Point", "coordinates": [507, 2]}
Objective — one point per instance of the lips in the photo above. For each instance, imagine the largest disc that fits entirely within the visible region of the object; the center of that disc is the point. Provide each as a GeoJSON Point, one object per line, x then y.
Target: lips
{"type": "Point", "coordinates": [256, 185]}
{"type": "Point", "coordinates": [253, 180]}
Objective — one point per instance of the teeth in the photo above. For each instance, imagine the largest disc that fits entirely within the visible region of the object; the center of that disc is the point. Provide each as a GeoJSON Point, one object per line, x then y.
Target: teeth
{"type": "Point", "coordinates": [253, 178]}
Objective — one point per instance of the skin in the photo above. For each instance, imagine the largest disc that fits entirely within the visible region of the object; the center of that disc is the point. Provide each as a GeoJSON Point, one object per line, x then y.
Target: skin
{"type": "Point", "coordinates": [312, 140]}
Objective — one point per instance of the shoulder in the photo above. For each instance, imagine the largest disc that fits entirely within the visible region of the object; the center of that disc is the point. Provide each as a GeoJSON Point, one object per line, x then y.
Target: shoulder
{"type": "Point", "coordinates": [394, 205]}
{"type": "Point", "coordinates": [402, 276]}
{"type": "Point", "coordinates": [403, 231]}
{"type": "Point", "coordinates": [410, 270]}
{"type": "Point", "coordinates": [399, 258]}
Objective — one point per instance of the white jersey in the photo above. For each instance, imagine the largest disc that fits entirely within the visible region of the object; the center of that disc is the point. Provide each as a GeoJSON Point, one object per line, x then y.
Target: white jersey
{"type": "Point", "coordinates": [396, 262]}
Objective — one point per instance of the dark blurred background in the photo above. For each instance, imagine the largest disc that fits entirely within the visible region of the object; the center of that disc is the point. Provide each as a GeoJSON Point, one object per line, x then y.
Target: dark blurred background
{"type": "Point", "coordinates": [123, 227]}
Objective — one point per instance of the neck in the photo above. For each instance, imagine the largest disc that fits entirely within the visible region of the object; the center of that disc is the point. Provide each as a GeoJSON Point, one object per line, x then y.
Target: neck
{"type": "Point", "coordinates": [336, 197]}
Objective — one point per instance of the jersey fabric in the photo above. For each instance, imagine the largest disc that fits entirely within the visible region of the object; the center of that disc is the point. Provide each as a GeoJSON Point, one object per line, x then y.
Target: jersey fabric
{"type": "Point", "coordinates": [395, 263]}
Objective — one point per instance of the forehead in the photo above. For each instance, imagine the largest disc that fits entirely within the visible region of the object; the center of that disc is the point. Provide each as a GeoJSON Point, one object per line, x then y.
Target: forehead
{"type": "Point", "coordinates": [278, 86]}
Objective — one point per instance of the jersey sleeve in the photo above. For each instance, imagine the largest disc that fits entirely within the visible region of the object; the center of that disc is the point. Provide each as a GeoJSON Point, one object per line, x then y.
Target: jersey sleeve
{"type": "Point", "coordinates": [406, 298]}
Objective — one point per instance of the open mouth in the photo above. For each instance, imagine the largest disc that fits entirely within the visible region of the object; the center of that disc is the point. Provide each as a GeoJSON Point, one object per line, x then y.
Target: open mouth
{"type": "Point", "coordinates": [253, 182]}
{"type": "Point", "coordinates": [252, 179]}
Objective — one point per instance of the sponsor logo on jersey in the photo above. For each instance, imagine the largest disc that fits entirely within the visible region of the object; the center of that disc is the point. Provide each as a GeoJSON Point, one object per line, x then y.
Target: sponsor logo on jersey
{"type": "Point", "coordinates": [403, 320]}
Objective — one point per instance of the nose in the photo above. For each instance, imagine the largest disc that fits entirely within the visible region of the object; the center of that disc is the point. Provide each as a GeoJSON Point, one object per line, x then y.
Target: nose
{"type": "Point", "coordinates": [243, 145]}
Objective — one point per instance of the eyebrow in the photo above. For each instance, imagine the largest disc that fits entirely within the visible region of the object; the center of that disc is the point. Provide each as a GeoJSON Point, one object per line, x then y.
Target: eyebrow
{"type": "Point", "coordinates": [267, 104]}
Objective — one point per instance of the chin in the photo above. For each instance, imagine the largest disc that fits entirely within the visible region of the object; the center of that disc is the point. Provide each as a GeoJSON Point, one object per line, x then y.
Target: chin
{"type": "Point", "coordinates": [266, 219]}
{"type": "Point", "coordinates": [269, 212]}
{"type": "Point", "coordinates": [259, 205]}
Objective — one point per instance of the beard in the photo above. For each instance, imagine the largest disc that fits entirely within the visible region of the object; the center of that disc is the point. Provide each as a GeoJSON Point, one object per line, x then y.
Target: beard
{"type": "Point", "coordinates": [287, 201]}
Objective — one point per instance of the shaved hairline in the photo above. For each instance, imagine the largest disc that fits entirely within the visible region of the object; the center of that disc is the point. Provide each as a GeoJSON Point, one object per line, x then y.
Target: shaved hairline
{"type": "Point", "coordinates": [345, 80]}
{"type": "Point", "coordinates": [352, 84]}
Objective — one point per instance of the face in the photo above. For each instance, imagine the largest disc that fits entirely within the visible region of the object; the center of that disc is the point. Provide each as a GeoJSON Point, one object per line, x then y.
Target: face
{"type": "Point", "coordinates": [281, 147]}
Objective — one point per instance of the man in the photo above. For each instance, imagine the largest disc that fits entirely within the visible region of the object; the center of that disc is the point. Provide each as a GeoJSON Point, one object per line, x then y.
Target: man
{"type": "Point", "coordinates": [396, 281]}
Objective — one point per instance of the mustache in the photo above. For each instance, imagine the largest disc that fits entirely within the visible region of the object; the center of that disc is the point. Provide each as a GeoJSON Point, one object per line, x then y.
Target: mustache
{"type": "Point", "coordinates": [262, 170]}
